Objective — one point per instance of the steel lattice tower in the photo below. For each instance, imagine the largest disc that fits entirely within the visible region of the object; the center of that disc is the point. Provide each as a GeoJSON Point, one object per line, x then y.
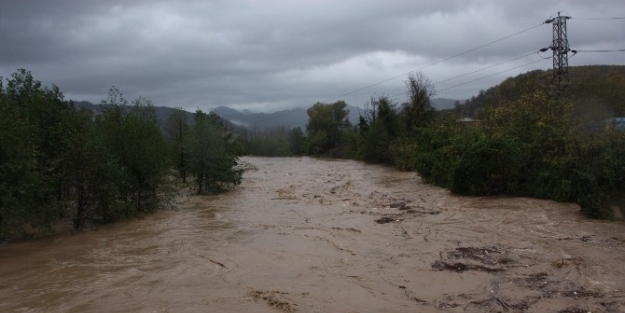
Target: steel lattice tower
{"type": "Point", "coordinates": [560, 48]}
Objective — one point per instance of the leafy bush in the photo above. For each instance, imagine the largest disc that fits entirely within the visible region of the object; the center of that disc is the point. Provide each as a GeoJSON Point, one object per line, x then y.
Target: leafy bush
{"type": "Point", "coordinates": [490, 166]}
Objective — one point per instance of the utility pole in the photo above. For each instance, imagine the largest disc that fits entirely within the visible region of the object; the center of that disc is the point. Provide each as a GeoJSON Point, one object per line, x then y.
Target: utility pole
{"type": "Point", "coordinates": [560, 48]}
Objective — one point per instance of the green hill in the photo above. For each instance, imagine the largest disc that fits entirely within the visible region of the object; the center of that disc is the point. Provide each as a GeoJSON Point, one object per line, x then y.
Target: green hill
{"type": "Point", "coordinates": [598, 91]}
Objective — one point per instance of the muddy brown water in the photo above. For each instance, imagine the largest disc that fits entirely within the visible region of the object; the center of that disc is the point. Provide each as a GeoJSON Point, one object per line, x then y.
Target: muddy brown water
{"type": "Point", "coordinates": [311, 235]}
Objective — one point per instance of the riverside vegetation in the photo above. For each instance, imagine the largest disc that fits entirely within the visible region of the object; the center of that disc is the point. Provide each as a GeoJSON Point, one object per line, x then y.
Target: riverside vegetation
{"type": "Point", "coordinates": [531, 138]}
{"type": "Point", "coordinates": [61, 164]}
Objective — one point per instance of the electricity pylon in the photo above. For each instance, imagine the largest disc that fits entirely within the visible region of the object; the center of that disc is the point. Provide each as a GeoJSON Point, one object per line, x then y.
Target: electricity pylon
{"type": "Point", "coordinates": [560, 48]}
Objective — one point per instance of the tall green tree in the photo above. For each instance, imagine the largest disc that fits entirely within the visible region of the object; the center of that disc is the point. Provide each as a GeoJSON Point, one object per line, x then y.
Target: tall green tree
{"type": "Point", "coordinates": [419, 108]}
{"type": "Point", "coordinates": [34, 144]}
{"type": "Point", "coordinates": [177, 131]}
{"type": "Point", "coordinates": [378, 128]}
{"type": "Point", "coordinates": [212, 155]}
{"type": "Point", "coordinates": [325, 126]}
{"type": "Point", "coordinates": [137, 149]}
{"type": "Point", "coordinates": [297, 140]}
{"type": "Point", "coordinates": [19, 178]}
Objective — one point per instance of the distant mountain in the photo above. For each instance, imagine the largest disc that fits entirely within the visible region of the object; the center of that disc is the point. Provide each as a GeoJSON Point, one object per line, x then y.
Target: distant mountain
{"type": "Point", "coordinates": [287, 118]}
{"type": "Point", "coordinates": [292, 118]}
{"type": "Point", "coordinates": [296, 117]}
{"type": "Point", "coordinates": [162, 113]}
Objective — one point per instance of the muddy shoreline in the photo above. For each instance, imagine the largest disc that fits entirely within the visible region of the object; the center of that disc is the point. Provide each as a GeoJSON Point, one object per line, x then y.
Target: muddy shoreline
{"type": "Point", "coordinates": [309, 235]}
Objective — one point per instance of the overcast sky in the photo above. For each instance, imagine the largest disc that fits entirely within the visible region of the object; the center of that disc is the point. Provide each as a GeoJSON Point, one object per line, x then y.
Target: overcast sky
{"type": "Point", "coordinates": [271, 55]}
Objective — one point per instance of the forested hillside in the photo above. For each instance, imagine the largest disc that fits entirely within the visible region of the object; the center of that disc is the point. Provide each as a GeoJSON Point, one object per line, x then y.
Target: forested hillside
{"type": "Point", "coordinates": [63, 165]}
{"type": "Point", "coordinates": [597, 92]}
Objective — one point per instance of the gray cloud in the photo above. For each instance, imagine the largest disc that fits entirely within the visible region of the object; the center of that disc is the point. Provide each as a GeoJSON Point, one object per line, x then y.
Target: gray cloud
{"type": "Point", "coordinates": [271, 55]}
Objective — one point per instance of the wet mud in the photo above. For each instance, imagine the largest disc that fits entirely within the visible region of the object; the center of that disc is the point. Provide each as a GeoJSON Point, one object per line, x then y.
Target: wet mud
{"type": "Point", "coordinates": [310, 235]}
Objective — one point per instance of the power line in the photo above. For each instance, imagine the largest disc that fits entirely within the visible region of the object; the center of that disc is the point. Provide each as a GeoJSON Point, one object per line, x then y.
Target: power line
{"type": "Point", "coordinates": [441, 61]}
{"type": "Point", "coordinates": [598, 18]}
{"type": "Point", "coordinates": [608, 50]}
{"type": "Point", "coordinates": [495, 74]}
{"type": "Point", "coordinates": [462, 75]}
{"type": "Point", "coordinates": [485, 68]}
{"type": "Point", "coordinates": [437, 62]}
{"type": "Point", "coordinates": [483, 77]}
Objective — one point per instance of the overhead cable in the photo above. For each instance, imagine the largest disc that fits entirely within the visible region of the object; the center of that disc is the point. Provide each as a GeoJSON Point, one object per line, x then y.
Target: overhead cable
{"type": "Point", "coordinates": [598, 18]}
{"type": "Point", "coordinates": [485, 68]}
{"type": "Point", "coordinates": [495, 74]}
{"type": "Point", "coordinates": [607, 50]}
{"type": "Point", "coordinates": [480, 78]}
{"type": "Point", "coordinates": [437, 62]}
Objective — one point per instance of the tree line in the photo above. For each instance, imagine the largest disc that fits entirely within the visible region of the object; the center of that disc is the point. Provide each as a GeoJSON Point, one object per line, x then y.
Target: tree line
{"type": "Point", "coordinates": [531, 139]}
{"type": "Point", "coordinates": [60, 164]}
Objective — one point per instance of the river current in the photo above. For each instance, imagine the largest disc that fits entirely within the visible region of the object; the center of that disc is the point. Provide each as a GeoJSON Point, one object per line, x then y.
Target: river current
{"type": "Point", "coordinates": [314, 235]}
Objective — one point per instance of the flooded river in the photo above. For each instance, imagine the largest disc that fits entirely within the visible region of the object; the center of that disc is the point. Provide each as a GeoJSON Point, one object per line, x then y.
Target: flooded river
{"type": "Point", "coordinates": [309, 235]}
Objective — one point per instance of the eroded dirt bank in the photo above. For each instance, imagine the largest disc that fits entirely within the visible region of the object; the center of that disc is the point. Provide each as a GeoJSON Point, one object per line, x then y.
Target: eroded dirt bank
{"type": "Point", "coordinates": [310, 235]}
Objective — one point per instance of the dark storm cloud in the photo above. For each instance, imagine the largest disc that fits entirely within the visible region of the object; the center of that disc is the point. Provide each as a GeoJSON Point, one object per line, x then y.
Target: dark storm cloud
{"type": "Point", "coordinates": [269, 55]}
